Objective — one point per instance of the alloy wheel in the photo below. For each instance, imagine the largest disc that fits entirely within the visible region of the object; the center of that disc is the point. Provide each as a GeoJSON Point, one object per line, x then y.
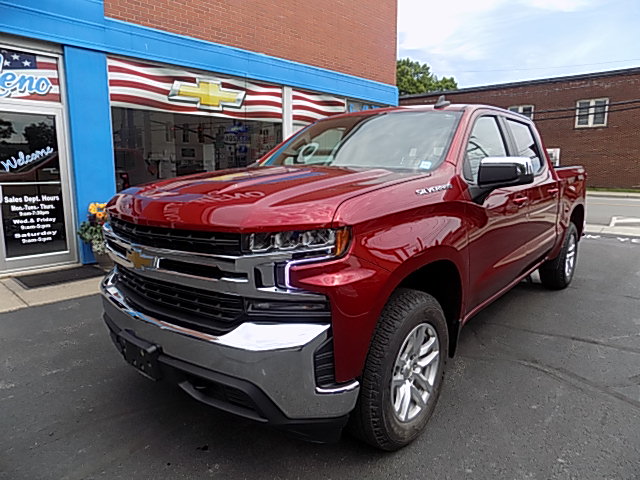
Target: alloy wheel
{"type": "Point", "coordinates": [414, 372]}
{"type": "Point", "coordinates": [570, 257]}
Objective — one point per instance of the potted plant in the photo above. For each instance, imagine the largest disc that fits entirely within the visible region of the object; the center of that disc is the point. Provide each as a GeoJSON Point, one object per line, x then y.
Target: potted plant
{"type": "Point", "coordinates": [90, 231]}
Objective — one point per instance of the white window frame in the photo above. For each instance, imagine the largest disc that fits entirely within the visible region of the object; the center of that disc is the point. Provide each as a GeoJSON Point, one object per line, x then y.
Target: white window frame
{"type": "Point", "coordinates": [554, 156]}
{"type": "Point", "coordinates": [592, 113]}
{"type": "Point", "coordinates": [520, 108]}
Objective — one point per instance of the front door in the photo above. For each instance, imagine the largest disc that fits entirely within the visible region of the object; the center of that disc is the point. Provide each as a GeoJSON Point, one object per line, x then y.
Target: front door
{"type": "Point", "coordinates": [498, 229]}
{"type": "Point", "coordinates": [36, 226]}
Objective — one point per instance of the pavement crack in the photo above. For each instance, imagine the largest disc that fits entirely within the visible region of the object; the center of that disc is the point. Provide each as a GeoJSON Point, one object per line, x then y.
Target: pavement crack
{"type": "Point", "coordinates": [568, 337]}
{"type": "Point", "coordinates": [565, 376]}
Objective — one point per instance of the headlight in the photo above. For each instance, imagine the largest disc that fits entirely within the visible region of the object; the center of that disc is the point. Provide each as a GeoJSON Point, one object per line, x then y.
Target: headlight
{"type": "Point", "coordinates": [335, 241]}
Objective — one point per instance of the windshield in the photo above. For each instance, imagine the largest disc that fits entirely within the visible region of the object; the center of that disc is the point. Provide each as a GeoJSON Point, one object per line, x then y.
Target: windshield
{"type": "Point", "coordinates": [396, 140]}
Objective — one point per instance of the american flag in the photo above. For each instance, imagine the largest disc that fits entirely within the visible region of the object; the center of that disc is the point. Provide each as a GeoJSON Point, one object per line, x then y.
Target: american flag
{"type": "Point", "coordinates": [31, 64]}
{"type": "Point", "coordinates": [140, 85]}
{"type": "Point", "coordinates": [308, 107]}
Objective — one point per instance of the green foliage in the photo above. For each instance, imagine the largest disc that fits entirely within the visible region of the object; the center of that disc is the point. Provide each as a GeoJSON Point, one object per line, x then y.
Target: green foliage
{"type": "Point", "coordinates": [415, 77]}
{"type": "Point", "coordinates": [91, 233]}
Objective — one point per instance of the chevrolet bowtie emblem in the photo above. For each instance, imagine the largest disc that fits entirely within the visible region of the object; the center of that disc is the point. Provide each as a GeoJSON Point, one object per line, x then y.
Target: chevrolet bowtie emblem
{"type": "Point", "coordinates": [208, 95]}
{"type": "Point", "coordinates": [140, 260]}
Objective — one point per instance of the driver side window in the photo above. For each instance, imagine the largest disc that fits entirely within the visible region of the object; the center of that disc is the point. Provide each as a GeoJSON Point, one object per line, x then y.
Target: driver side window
{"type": "Point", "coordinates": [485, 141]}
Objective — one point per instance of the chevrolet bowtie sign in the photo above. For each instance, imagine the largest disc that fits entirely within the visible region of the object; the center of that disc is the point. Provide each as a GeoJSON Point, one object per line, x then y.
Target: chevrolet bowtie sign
{"type": "Point", "coordinates": [206, 94]}
{"type": "Point", "coordinates": [140, 261]}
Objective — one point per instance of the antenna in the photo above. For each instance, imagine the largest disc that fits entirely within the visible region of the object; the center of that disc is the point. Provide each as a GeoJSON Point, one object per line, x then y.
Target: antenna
{"type": "Point", "coordinates": [441, 103]}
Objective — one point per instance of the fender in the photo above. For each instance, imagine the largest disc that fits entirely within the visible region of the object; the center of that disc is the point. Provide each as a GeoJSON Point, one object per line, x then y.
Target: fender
{"type": "Point", "coordinates": [417, 262]}
{"type": "Point", "coordinates": [363, 289]}
{"type": "Point", "coordinates": [398, 245]}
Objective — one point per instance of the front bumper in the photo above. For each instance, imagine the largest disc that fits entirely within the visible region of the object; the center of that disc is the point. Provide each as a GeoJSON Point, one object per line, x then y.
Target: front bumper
{"type": "Point", "coordinates": [271, 364]}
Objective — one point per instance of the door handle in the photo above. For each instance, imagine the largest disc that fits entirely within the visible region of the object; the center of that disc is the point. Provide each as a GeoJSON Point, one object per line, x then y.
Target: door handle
{"type": "Point", "coordinates": [553, 191]}
{"type": "Point", "coordinates": [520, 201]}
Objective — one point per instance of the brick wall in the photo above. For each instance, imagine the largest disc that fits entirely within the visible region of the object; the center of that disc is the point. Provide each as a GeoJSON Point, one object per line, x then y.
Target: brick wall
{"type": "Point", "coordinates": [357, 37]}
{"type": "Point", "coordinates": [610, 154]}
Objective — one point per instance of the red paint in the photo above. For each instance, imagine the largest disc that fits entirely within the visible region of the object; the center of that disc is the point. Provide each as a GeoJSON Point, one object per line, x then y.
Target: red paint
{"type": "Point", "coordinates": [394, 230]}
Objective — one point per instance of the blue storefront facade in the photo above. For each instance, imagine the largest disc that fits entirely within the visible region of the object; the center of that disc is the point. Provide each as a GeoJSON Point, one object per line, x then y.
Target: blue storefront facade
{"type": "Point", "coordinates": [120, 108]}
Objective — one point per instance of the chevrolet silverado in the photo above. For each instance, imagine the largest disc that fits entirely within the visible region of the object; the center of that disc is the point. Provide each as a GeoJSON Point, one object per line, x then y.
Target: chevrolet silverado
{"type": "Point", "coordinates": [327, 283]}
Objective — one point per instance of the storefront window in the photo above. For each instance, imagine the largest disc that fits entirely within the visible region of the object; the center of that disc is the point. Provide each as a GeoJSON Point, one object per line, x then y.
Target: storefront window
{"type": "Point", "coordinates": [357, 106]}
{"type": "Point", "coordinates": [28, 148]}
{"type": "Point", "coordinates": [30, 190]}
{"type": "Point", "coordinates": [151, 145]}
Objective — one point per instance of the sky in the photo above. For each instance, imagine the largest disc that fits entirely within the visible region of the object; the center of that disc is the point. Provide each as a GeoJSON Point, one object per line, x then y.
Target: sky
{"type": "Point", "coordinates": [484, 42]}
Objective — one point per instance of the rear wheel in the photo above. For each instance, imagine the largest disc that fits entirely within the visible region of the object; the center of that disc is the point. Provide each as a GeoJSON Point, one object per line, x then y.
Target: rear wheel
{"type": "Point", "coordinates": [404, 371]}
{"type": "Point", "coordinates": [557, 273]}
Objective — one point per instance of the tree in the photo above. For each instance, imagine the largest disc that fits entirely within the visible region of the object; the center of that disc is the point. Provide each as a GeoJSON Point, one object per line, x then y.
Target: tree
{"type": "Point", "coordinates": [40, 135]}
{"type": "Point", "coordinates": [6, 128]}
{"type": "Point", "coordinates": [415, 77]}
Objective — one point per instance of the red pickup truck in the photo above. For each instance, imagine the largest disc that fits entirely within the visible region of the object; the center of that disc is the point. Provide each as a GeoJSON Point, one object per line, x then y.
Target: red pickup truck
{"type": "Point", "coordinates": [328, 282]}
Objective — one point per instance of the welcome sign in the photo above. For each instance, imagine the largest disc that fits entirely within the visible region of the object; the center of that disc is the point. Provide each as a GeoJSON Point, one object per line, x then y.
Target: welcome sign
{"type": "Point", "coordinates": [28, 76]}
{"type": "Point", "coordinates": [21, 160]}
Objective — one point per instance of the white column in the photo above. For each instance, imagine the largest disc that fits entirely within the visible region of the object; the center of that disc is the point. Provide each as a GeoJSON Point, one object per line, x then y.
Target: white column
{"type": "Point", "coordinates": [287, 113]}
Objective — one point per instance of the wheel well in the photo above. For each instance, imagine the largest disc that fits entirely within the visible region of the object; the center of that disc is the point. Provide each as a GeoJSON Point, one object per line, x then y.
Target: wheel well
{"type": "Point", "coordinates": [577, 218]}
{"type": "Point", "coordinates": [441, 280]}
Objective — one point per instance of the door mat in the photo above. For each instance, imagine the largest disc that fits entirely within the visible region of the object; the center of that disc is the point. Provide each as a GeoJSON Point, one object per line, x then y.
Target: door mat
{"type": "Point", "coordinates": [56, 277]}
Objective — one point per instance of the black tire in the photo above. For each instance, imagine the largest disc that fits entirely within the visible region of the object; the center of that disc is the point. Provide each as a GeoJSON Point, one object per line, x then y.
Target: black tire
{"type": "Point", "coordinates": [374, 419]}
{"type": "Point", "coordinates": [553, 273]}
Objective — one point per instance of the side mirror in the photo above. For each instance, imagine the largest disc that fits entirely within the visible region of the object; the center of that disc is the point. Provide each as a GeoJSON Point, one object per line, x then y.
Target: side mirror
{"type": "Point", "coordinates": [499, 172]}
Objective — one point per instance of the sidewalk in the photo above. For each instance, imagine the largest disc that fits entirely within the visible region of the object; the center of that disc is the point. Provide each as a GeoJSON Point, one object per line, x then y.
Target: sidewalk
{"type": "Point", "coordinates": [14, 296]}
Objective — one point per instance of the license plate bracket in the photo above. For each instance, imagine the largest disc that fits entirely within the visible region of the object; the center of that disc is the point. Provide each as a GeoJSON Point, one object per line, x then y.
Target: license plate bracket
{"type": "Point", "coordinates": [140, 354]}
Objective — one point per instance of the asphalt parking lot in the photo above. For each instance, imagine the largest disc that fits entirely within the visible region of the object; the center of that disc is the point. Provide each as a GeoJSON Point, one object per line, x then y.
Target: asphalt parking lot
{"type": "Point", "coordinates": [545, 385]}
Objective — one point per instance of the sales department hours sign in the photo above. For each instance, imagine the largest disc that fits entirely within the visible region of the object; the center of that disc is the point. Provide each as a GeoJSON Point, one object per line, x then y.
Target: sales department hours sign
{"type": "Point", "coordinates": [33, 219]}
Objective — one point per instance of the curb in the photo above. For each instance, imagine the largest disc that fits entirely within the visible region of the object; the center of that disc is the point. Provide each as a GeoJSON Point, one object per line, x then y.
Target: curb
{"type": "Point", "coordinates": [14, 297]}
{"type": "Point", "coordinates": [613, 194]}
{"type": "Point", "coordinates": [615, 231]}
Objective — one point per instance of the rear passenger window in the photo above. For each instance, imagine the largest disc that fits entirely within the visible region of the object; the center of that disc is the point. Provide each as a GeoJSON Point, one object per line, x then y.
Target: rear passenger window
{"type": "Point", "coordinates": [485, 141]}
{"type": "Point", "coordinates": [525, 143]}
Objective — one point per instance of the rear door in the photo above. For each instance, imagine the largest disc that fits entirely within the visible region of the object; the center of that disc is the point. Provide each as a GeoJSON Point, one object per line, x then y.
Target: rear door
{"type": "Point", "coordinates": [498, 230]}
{"type": "Point", "coordinates": [543, 193]}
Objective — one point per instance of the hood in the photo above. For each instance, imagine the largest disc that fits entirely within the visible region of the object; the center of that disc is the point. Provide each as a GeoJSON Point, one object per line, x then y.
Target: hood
{"type": "Point", "coordinates": [253, 199]}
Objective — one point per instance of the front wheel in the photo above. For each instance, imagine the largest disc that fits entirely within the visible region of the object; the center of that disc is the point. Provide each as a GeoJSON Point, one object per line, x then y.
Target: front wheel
{"type": "Point", "coordinates": [404, 371]}
{"type": "Point", "coordinates": [557, 273]}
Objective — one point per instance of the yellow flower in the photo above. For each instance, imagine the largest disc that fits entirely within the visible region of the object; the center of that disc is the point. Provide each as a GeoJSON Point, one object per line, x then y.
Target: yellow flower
{"type": "Point", "coordinates": [93, 208]}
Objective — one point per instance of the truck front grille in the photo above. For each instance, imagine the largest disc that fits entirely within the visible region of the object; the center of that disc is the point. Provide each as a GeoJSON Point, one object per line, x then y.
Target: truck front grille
{"type": "Point", "coordinates": [198, 309]}
{"type": "Point", "coordinates": [222, 243]}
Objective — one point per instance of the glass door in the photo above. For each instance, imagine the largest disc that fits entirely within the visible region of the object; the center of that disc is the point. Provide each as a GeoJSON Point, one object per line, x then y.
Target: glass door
{"type": "Point", "coordinates": [36, 224]}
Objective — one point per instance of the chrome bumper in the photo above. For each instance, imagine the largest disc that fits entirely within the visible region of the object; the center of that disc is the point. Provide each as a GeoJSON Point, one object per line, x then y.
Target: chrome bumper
{"type": "Point", "coordinates": [276, 358]}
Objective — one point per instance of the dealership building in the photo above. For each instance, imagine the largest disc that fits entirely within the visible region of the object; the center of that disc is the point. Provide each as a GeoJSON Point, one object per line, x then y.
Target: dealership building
{"type": "Point", "coordinates": [97, 96]}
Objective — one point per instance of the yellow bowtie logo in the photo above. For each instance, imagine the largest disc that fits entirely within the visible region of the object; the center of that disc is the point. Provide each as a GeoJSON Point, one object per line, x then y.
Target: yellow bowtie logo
{"type": "Point", "coordinates": [139, 260]}
{"type": "Point", "coordinates": [208, 95]}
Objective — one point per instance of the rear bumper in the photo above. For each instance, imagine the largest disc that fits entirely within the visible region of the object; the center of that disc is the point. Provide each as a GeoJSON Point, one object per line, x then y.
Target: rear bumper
{"type": "Point", "coordinates": [264, 372]}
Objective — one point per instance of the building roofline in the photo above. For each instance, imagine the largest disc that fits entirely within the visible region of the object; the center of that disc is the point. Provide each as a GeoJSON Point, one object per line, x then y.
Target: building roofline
{"type": "Point", "coordinates": [567, 78]}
